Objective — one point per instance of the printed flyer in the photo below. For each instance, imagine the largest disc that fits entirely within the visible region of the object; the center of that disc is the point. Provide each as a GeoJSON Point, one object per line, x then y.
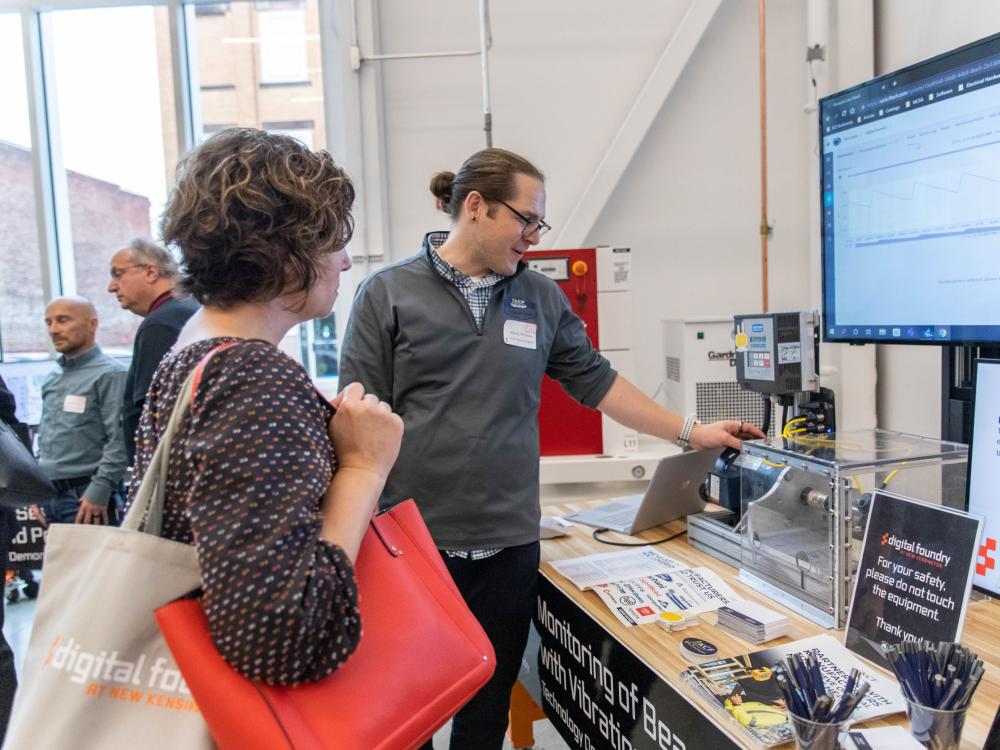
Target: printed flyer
{"type": "Point", "coordinates": [688, 591]}
{"type": "Point", "coordinates": [744, 687]}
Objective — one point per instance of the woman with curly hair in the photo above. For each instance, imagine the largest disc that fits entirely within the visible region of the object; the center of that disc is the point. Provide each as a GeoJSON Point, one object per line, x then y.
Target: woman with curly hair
{"type": "Point", "coordinates": [273, 484]}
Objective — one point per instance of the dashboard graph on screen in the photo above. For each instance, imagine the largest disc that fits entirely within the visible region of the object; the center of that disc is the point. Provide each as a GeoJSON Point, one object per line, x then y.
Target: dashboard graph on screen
{"type": "Point", "coordinates": [911, 203]}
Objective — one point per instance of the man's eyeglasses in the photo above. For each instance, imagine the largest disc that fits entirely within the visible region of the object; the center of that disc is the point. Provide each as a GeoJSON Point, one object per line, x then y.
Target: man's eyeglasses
{"type": "Point", "coordinates": [117, 273]}
{"type": "Point", "coordinates": [530, 225]}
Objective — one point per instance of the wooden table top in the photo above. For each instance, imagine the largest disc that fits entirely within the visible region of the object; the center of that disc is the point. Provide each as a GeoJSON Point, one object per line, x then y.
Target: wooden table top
{"type": "Point", "coordinates": [660, 649]}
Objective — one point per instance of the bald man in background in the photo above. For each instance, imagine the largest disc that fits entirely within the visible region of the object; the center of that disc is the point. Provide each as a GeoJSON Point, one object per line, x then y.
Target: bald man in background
{"type": "Point", "coordinates": [80, 444]}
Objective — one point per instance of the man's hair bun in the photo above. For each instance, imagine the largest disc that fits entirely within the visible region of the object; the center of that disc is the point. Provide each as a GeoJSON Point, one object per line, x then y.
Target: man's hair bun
{"type": "Point", "coordinates": [441, 186]}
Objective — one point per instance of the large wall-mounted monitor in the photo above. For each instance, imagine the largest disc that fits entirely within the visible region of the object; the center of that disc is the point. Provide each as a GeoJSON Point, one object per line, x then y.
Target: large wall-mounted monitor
{"type": "Point", "coordinates": [910, 168]}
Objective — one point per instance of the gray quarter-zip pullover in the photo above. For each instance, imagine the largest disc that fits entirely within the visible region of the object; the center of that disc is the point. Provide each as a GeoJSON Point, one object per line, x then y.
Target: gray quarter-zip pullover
{"type": "Point", "coordinates": [468, 396]}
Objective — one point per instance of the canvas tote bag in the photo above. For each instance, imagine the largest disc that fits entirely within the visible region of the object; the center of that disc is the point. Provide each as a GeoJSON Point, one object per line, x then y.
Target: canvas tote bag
{"type": "Point", "coordinates": [98, 673]}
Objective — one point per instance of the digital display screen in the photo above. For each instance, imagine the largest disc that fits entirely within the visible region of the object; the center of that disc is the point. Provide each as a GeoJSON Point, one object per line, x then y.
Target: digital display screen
{"type": "Point", "coordinates": [910, 169]}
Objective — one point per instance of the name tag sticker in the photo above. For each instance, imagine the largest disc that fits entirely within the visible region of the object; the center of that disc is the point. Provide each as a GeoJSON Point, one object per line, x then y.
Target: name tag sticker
{"type": "Point", "coordinates": [75, 404]}
{"type": "Point", "coordinates": [519, 333]}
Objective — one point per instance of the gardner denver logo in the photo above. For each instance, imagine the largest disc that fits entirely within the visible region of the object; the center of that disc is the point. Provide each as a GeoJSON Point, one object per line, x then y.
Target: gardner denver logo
{"type": "Point", "coordinates": [984, 562]}
{"type": "Point", "coordinates": [916, 550]}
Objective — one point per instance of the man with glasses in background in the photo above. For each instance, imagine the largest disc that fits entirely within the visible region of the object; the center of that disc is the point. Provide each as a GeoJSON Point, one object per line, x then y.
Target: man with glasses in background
{"type": "Point", "coordinates": [456, 340]}
{"type": "Point", "coordinates": [142, 279]}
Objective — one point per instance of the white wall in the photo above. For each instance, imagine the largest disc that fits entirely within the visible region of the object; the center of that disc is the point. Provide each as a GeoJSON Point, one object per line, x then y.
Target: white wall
{"type": "Point", "coordinates": [562, 74]}
{"type": "Point", "coordinates": [563, 77]}
{"type": "Point", "coordinates": [689, 205]}
{"type": "Point", "coordinates": [907, 31]}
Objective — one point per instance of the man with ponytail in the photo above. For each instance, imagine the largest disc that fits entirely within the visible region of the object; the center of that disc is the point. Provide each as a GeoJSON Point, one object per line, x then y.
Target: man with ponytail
{"type": "Point", "coordinates": [456, 339]}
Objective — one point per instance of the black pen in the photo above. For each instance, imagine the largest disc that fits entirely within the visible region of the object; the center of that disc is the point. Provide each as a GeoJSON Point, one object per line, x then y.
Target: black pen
{"type": "Point", "coordinates": [851, 679]}
{"type": "Point", "coordinates": [817, 676]}
{"type": "Point", "coordinates": [942, 676]}
{"type": "Point", "coordinates": [821, 709]}
{"type": "Point", "coordinates": [852, 702]}
{"type": "Point", "coordinates": [948, 699]}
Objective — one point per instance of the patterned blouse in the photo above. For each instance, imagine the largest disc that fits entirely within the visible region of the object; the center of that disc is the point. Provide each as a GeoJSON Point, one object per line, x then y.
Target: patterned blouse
{"type": "Point", "coordinates": [248, 469]}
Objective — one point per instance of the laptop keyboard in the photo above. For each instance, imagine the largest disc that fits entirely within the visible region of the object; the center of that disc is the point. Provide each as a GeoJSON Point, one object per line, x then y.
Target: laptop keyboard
{"type": "Point", "coordinates": [621, 518]}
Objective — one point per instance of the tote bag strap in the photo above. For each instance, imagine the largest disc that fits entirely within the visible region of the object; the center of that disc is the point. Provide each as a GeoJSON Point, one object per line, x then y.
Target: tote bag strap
{"type": "Point", "coordinates": [149, 499]}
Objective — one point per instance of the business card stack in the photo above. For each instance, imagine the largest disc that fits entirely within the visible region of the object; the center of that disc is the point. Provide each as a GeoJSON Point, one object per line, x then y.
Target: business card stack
{"type": "Point", "coordinates": [752, 622]}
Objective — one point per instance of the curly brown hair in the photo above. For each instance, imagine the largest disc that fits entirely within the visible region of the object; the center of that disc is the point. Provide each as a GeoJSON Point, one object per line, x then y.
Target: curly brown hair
{"type": "Point", "coordinates": [253, 214]}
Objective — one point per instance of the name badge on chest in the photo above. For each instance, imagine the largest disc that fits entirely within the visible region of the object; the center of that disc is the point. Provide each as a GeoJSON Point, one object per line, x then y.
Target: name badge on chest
{"type": "Point", "coordinates": [75, 404]}
{"type": "Point", "coordinates": [520, 333]}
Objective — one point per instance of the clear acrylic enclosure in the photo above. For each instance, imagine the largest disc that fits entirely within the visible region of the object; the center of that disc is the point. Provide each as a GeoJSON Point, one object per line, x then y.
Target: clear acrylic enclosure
{"type": "Point", "coordinates": [805, 505]}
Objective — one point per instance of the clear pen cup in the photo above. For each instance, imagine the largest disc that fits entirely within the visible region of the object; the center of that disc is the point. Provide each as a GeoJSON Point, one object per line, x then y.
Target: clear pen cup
{"type": "Point", "coordinates": [814, 735]}
{"type": "Point", "coordinates": [934, 728]}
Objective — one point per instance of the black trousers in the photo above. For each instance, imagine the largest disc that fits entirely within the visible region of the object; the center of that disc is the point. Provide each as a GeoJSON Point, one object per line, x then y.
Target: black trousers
{"type": "Point", "coordinates": [500, 591]}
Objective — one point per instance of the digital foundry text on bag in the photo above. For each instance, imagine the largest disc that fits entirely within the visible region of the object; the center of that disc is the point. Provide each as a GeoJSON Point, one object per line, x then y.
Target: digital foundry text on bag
{"type": "Point", "coordinates": [422, 655]}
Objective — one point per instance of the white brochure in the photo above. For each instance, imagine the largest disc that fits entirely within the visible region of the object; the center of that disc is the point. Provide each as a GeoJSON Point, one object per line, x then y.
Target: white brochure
{"type": "Point", "coordinates": [608, 567]}
{"type": "Point", "coordinates": [688, 591]}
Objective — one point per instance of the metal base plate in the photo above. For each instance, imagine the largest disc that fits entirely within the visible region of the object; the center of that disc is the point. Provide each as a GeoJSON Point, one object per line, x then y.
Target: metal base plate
{"type": "Point", "coordinates": [823, 619]}
{"type": "Point", "coordinates": [713, 537]}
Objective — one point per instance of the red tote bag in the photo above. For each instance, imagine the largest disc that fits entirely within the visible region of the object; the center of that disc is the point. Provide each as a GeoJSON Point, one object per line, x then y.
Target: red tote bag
{"type": "Point", "coordinates": [422, 655]}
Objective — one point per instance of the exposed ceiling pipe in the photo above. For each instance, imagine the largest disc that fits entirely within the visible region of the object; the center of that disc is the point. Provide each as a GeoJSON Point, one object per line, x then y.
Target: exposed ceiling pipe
{"type": "Point", "coordinates": [485, 42]}
{"type": "Point", "coordinates": [765, 228]}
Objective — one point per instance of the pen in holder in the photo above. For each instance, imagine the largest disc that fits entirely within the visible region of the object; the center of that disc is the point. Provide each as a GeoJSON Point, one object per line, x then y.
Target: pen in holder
{"type": "Point", "coordinates": [938, 681]}
{"type": "Point", "coordinates": [818, 721]}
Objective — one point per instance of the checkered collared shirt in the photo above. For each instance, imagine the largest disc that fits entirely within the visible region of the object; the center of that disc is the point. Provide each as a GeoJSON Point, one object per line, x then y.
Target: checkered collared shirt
{"type": "Point", "coordinates": [476, 291]}
{"type": "Point", "coordinates": [477, 295]}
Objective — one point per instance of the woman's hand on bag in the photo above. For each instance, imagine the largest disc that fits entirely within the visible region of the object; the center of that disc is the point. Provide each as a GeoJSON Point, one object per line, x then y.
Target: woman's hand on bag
{"type": "Point", "coordinates": [365, 433]}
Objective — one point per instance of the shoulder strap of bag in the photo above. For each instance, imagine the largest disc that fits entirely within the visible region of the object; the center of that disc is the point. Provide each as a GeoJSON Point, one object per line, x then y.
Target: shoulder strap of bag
{"type": "Point", "coordinates": [149, 499]}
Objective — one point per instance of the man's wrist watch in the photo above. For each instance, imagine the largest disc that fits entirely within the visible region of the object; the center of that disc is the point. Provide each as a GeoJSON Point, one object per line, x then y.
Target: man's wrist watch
{"type": "Point", "coordinates": [684, 439]}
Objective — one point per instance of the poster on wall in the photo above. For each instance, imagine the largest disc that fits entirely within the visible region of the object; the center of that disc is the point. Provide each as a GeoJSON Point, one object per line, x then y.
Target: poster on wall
{"type": "Point", "coordinates": [914, 575]}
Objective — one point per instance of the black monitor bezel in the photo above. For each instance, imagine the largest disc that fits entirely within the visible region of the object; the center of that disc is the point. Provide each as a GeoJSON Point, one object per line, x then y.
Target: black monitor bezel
{"type": "Point", "coordinates": [861, 339]}
{"type": "Point", "coordinates": [968, 468]}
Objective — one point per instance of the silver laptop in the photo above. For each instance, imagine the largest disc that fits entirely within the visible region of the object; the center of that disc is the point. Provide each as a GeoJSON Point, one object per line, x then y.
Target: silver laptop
{"type": "Point", "coordinates": [672, 493]}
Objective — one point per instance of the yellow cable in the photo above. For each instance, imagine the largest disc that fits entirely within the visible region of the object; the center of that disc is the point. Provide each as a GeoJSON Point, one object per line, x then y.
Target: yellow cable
{"type": "Point", "coordinates": [786, 430]}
